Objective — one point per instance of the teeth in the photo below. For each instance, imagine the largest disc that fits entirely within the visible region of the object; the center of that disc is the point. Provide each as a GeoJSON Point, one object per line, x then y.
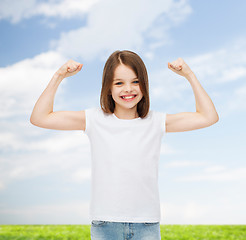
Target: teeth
{"type": "Point", "coordinates": [128, 97]}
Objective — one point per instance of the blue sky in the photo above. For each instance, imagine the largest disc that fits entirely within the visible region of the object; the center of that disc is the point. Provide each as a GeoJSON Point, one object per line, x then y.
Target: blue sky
{"type": "Point", "coordinates": [45, 174]}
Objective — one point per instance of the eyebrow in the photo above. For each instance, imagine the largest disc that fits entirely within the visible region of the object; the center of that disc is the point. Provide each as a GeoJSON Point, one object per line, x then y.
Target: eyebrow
{"type": "Point", "coordinates": [117, 79]}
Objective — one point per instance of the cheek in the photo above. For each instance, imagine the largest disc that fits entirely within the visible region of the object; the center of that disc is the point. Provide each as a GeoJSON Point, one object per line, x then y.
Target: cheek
{"type": "Point", "coordinates": [117, 90]}
{"type": "Point", "coordinates": [114, 93]}
{"type": "Point", "coordinates": [139, 90]}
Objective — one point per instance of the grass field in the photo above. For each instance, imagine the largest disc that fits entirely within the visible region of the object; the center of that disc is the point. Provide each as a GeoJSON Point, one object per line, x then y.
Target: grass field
{"type": "Point", "coordinates": [82, 232]}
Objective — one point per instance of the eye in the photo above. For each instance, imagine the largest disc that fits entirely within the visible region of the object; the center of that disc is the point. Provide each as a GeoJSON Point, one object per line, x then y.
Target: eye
{"type": "Point", "coordinates": [136, 81]}
{"type": "Point", "coordinates": [117, 83]}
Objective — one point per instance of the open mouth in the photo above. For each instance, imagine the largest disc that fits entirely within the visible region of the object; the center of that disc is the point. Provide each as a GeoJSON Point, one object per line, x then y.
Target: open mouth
{"type": "Point", "coordinates": [130, 97]}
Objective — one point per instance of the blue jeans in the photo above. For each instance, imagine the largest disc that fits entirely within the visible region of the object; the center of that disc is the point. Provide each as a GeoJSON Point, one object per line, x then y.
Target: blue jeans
{"type": "Point", "coordinates": [105, 230]}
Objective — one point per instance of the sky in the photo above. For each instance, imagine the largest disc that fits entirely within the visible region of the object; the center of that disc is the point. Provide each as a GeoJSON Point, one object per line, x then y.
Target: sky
{"type": "Point", "coordinates": [45, 174]}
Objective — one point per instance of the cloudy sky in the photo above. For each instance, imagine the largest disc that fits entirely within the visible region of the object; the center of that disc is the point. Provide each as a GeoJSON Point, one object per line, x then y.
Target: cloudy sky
{"type": "Point", "coordinates": [45, 174]}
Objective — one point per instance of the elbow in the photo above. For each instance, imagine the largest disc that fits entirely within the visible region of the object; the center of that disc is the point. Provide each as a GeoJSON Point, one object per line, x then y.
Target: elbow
{"type": "Point", "coordinates": [34, 121]}
{"type": "Point", "coordinates": [217, 119]}
{"type": "Point", "coordinates": [214, 119]}
{"type": "Point", "coordinates": [210, 119]}
{"type": "Point", "coordinates": [38, 121]}
{"type": "Point", "coordinates": [31, 119]}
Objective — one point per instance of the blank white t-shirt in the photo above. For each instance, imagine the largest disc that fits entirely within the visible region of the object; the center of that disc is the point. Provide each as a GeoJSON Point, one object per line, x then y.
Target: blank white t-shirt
{"type": "Point", "coordinates": [125, 159]}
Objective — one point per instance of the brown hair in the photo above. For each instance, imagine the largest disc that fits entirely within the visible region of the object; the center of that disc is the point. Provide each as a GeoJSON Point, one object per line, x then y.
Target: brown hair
{"type": "Point", "coordinates": [133, 61]}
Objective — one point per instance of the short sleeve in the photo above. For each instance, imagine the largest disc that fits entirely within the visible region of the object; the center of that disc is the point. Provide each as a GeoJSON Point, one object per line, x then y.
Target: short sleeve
{"type": "Point", "coordinates": [89, 115]}
{"type": "Point", "coordinates": [163, 122]}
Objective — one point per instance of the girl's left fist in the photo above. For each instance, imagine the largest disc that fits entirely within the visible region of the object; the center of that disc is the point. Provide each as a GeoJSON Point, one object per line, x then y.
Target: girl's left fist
{"type": "Point", "coordinates": [180, 67]}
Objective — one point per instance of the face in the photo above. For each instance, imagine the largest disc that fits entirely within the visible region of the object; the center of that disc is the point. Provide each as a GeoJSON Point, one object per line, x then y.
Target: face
{"type": "Point", "coordinates": [125, 88]}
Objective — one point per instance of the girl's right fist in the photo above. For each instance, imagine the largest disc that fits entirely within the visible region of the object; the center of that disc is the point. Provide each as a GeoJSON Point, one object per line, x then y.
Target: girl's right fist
{"type": "Point", "coordinates": [70, 68]}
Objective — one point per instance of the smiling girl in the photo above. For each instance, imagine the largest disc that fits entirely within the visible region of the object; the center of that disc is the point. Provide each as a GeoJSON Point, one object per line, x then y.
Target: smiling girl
{"type": "Point", "coordinates": [125, 137]}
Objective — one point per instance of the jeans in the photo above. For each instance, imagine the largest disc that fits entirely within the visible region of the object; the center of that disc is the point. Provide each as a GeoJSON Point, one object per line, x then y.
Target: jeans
{"type": "Point", "coordinates": [105, 230]}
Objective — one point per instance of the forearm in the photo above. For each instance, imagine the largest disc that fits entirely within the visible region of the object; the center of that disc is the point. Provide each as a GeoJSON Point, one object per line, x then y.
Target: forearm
{"type": "Point", "coordinates": [204, 104]}
{"type": "Point", "coordinates": [44, 105]}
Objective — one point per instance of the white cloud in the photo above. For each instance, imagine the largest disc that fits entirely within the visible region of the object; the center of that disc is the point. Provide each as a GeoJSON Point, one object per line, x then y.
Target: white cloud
{"type": "Point", "coordinates": [185, 212]}
{"type": "Point", "coordinates": [24, 9]}
{"type": "Point", "coordinates": [81, 175]}
{"type": "Point", "coordinates": [192, 212]}
{"type": "Point", "coordinates": [223, 65]}
{"type": "Point", "coordinates": [2, 186]}
{"type": "Point", "coordinates": [26, 157]}
{"type": "Point", "coordinates": [237, 100]}
{"type": "Point", "coordinates": [214, 169]}
{"type": "Point", "coordinates": [56, 142]}
{"type": "Point", "coordinates": [64, 8]}
{"type": "Point", "coordinates": [122, 25]}
{"type": "Point", "coordinates": [218, 67]}
{"type": "Point", "coordinates": [59, 213]}
{"type": "Point", "coordinates": [219, 175]}
{"type": "Point", "coordinates": [167, 149]}
{"type": "Point", "coordinates": [184, 163]}
{"type": "Point", "coordinates": [222, 68]}
{"type": "Point", "coordinates": [218, 70]}
{"type": "Point", "coordinates": [21, 142]}
{"type": "Point", "coordinates": [166, 86]}
{"type": "Point", "coordinates": [16, 10]}
{"type": "Point", "coordinates": [23, 81]}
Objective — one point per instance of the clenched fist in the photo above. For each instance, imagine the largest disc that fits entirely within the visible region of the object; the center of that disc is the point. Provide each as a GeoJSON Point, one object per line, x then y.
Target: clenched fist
{"type": "Point", "coordinates": [180, 67]}
{"type": "Point", "coordinates": [70, 68]}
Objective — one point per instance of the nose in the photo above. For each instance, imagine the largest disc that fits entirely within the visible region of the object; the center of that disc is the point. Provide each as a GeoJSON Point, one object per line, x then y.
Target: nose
{"type": "Point", "coordinates": [128, 87]}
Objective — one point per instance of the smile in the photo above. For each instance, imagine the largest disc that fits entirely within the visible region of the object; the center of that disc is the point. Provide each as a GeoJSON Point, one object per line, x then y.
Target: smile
{"type": "Point", "coordinates": [128, 98]}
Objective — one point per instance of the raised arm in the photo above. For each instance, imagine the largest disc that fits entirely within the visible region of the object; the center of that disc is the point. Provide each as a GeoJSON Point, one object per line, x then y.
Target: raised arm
{"type": "Point", "coordinates": [43, 115]}
{"type": "Point", "coordinates": [205, 114]}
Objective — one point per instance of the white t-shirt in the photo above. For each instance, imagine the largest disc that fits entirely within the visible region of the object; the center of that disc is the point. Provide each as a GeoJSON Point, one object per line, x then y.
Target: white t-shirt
{"type": "Point", "coordinates": [125, 159]}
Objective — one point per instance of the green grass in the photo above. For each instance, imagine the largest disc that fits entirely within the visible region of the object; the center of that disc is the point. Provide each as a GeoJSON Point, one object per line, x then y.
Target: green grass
{"type": "Point", "coordinates": [82, 232]}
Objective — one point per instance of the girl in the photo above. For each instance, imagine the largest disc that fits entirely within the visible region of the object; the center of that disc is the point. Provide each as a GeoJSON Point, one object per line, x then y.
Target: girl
{"type": "Point", "coordinates": [125, 138]}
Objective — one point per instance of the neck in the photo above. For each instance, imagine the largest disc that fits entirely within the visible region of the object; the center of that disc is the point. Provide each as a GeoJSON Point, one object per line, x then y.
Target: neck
{"type": "Point", "coordinates": [126, 114]}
